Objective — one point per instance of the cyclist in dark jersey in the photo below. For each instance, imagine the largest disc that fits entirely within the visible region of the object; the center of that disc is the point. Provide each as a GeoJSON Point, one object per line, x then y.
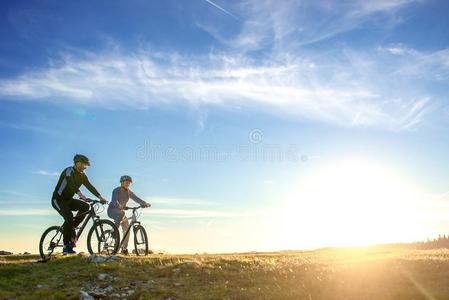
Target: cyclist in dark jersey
{"type": "Point", "coordinates": [68, 185]}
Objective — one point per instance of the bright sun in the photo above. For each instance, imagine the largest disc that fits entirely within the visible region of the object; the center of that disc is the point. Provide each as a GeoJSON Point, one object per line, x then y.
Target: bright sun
{"type": "Point", "coordinates": [349, 203]}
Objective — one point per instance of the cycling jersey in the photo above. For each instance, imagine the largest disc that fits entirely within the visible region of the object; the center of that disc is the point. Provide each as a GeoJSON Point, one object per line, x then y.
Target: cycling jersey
{"type": "Point", "coordinates": [69, 183]}
{"type": "Point", "coordinates": [120, 197]}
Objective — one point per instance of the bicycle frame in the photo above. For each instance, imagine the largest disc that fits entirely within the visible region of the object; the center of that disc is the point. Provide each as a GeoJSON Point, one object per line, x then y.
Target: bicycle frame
{"type": "Point", "coordinates": [134, 222]}
{"type": "Point", "coordinates": [91, 215]}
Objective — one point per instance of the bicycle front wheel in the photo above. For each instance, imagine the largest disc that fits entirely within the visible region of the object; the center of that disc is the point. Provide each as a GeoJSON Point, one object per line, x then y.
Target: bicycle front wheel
{"type": "Point", "coordinates": [140, 240]}
{"type": "Point", "coordinates": [103, 238]}
{"type": "Point", "coordinates": [50, 240]}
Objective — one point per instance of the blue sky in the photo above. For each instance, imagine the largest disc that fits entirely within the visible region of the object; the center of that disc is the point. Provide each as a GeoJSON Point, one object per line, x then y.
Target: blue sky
{"type": "Point", "coordinates": [228, 114]}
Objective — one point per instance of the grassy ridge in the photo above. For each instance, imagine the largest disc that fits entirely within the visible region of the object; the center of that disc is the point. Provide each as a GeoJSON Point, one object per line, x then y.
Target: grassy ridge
{"type": "Point", "coordinates": [371, 273]}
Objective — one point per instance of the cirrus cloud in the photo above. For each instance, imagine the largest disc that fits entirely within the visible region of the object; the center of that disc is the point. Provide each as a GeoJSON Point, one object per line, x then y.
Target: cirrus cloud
{"type": "Point", "coordinates": [344, 89]}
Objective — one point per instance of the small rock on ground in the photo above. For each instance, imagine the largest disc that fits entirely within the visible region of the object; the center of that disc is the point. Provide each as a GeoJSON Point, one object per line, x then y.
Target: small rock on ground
{"type": "Point", "coordinates": [85, 296]}
{"type": "Point", "coordinates": [101, 259]}
{"type": "Point", "coordinates": [42, 286]}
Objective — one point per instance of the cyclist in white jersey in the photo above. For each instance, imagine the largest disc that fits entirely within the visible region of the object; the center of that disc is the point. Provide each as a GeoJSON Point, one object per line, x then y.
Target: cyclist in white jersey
{"type": "Point", "coordinates": [120, 197]}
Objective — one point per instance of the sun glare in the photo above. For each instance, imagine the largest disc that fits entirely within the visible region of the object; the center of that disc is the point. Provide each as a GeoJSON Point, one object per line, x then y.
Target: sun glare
{"type": "Point", "coordinates": [349, 203]}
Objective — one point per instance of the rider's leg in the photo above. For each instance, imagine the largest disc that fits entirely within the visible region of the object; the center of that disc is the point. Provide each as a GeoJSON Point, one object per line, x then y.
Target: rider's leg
{"type": "Point", "coordinates": [82, 208]}
{"type": "Point", "coordinates": [125, 226]}
{"type": "Point", "coordinates": [118, 216]}
{"type": "Point", "coordinates": [63, 209]}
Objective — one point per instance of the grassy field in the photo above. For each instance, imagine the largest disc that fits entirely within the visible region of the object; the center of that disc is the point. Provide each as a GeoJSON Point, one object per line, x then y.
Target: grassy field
{"type": "Point", "coordinates": [369, 273]}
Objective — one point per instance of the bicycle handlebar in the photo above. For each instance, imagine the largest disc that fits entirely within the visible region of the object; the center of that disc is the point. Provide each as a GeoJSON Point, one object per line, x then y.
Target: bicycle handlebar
{"type": "Point", "coordinates": [133, 208]}
{"type": "Point", "coordinates": [92, 201]}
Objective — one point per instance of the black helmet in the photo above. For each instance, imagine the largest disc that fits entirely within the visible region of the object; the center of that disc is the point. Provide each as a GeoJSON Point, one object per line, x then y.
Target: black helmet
{"type": "Point", "coordinates": [126, 178]}
{"type": "Point", "coordinates": [81, 158]}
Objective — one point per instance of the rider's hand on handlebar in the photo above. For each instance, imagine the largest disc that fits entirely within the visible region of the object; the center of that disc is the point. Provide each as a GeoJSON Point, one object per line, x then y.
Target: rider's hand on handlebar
{"type": "Point", "coordinates": [146, 204]}
{"type": "Point", "coordinates": [103, 200]}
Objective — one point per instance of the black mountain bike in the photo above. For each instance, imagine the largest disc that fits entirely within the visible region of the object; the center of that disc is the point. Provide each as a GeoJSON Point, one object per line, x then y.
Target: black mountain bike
{"type": "Point", "coordinates": [103, 236]}
{"type": "Point", "coordinates": [140, 234]}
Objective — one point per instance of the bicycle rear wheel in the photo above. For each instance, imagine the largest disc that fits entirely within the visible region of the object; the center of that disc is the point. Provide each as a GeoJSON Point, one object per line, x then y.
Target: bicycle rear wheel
{"type": "Point", "coordinates": [140, 240]}
{"type": "Point", "coordinates": [103, 238]}
{"type": "Point", "coordinates": [50, 240]}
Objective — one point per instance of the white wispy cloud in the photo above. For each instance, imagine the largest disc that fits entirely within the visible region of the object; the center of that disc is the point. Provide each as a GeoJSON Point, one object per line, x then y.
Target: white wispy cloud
{"type": "Point", "coordinates": [11, 197]}
{"type": "Point", "coordinates": [179, 201]}
{"type": "Point", "coordinates": [47, 173]}
{"type": "Point", "coordinates": [163, 212]}
{"type": "Point", "coordinates": [27, 212]}
{"type": "Point", "coordinates": [184, 213]}
{"type": "Point", "coordinates": [15, 193]}
{"type": "Point", "coordinates": [296, 23]}
{"type": "Point", "coordinates": [345, 88]}
{"type": "Point", "coordinates": [378, 88]}
{"type": "Point", "coordinates": [424, 65]}
{"type": "Point", "coordinates": [416, 113]}
{"type": "Point", "coordinates": [27, 127]}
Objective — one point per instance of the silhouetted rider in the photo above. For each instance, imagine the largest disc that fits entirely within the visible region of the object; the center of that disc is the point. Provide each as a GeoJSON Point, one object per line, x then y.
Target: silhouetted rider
{"type": "Point", "coordinates": [68, 185]}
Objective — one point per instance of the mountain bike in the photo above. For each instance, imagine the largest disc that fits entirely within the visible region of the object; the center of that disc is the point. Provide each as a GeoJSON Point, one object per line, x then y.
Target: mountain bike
{"type": "Point", "coordinates": [103, 236]}
{"type": "Point", "coordinates": [140, 234]}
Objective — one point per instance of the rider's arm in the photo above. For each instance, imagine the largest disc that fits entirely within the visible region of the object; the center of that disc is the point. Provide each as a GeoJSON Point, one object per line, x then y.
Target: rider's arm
{"type": "Point", "coordinates": [135, 198]}
{"type": "Point", "coordinates": [90, 187]}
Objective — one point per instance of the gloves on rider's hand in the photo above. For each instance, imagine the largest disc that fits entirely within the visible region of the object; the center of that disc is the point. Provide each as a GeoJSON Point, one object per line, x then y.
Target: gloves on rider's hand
{"type": "Point", "coordinates": [146, 204]}
{"type": "Point", "coordinates": [103, 200]}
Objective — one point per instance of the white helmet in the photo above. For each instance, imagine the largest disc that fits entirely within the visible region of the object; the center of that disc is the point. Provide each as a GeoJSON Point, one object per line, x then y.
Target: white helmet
{"type": "Point", "coordinates": [126, 178]}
